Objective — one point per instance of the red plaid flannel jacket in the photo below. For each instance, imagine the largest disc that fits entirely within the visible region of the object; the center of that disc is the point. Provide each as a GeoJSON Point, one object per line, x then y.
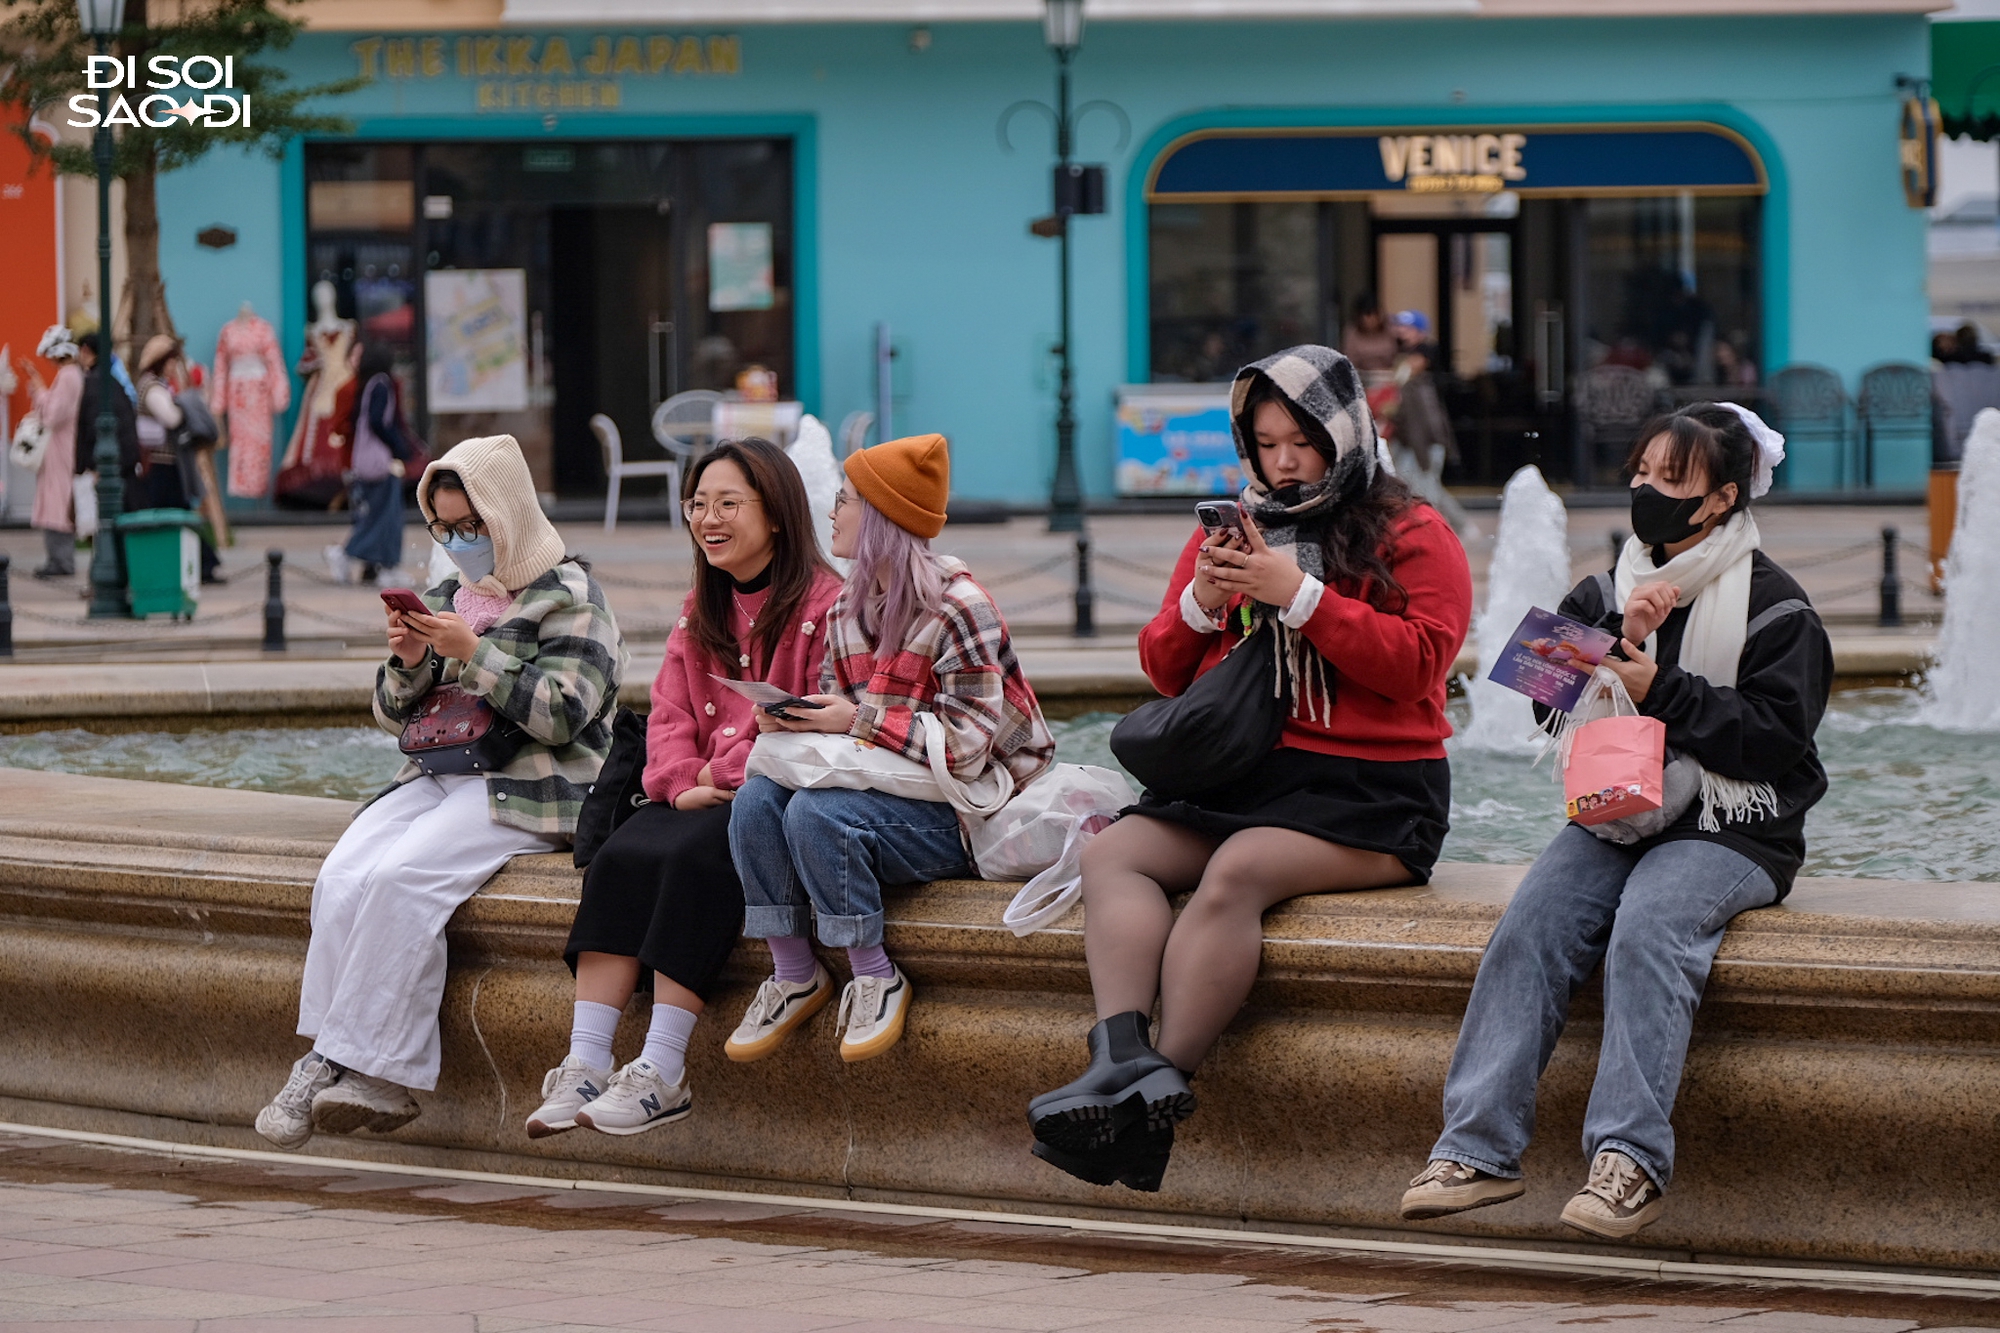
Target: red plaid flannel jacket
{"type": "Point", "coordinates": [958, 664]}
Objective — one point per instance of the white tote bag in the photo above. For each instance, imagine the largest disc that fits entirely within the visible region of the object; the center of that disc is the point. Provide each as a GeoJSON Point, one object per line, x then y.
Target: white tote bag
{"type": "Point", "coordinates": [810, 760]}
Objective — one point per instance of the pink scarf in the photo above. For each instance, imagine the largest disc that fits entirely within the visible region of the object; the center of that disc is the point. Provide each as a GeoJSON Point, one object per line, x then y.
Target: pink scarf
{"type": "Point", "coordinates": [479, 610]}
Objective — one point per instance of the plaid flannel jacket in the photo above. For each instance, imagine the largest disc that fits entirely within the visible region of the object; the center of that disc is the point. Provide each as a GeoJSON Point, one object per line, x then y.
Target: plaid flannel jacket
{"type": "Point", "coordinates": [958, 664]}
{"type": "Point", "coordinates": [551, 664]}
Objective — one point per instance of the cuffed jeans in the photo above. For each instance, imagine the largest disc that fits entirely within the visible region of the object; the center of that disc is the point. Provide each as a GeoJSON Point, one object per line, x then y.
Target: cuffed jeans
{"type": "Point", "coordinates": [1655, 921]}
{"type": "Point", "coordinates": [828, 853]}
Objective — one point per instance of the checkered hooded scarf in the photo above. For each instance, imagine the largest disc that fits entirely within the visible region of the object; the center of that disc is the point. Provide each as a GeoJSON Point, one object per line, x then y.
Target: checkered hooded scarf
{"type": "Point", "coordinates": [1327, 388]}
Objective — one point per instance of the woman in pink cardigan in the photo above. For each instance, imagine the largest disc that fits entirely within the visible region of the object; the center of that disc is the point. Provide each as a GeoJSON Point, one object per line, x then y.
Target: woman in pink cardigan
{"type": "Point", "coordinates": [661, 897]}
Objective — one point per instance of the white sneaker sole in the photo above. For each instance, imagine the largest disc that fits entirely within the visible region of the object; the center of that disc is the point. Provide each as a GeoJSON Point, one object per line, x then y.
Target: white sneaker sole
{"type": "Point", "coordinates": [539, 1128]}
{"type": "Point", "coordinates": [681, 1112]}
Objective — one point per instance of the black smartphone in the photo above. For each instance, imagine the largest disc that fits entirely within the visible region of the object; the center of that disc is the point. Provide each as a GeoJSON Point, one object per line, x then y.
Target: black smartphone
{"type": "Point", "coordinates": [1219, 516]}
{"type": "Point", "coordinates": [778, 709]}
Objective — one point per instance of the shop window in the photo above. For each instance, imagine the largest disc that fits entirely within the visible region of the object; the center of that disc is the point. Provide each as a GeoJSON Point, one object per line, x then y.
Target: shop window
{"type": "Point", "coordinates": [1674, 289]}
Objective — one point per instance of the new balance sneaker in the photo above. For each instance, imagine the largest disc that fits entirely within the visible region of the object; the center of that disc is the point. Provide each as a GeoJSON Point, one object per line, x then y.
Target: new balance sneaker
{"type": "Point", "coordinates": [362, 1101]}
{"type": "Point", "coordinates": [1617, 1201]}
{"type": "Point", "coordinates": [288, 1120]}
{"type": "Point", "coordinates": [779, 1007]}
{"type": "Point", "coordinates": [1447, 1187]}
{"type": "Point", "coordinates": [638, 1099]}
{"type": "Point", "coordinates": [872, 1010]}
{"type": "Point", "coordinates": [566, 1089]}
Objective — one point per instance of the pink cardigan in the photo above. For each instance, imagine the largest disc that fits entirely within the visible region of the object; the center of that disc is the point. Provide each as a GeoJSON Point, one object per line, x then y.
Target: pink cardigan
{"type": "Point", "coordinates": [696, 722]}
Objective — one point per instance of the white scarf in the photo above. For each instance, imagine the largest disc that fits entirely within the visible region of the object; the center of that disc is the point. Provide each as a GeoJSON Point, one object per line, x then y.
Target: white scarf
{"type": "Point", "coordinates": [1714, 578]}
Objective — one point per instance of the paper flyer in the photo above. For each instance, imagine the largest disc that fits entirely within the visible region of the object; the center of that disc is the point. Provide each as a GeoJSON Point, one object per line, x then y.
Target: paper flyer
{"type": "Point", "coordinates": [1550, 658]}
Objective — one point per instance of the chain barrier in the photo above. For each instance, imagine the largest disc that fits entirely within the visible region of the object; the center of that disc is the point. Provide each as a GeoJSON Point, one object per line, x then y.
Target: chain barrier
{"type": "Point", "coordinates": [1163, 576]}
{"type": "Point", "coordinates": [1054, 562]}
{"type": "Point", "coordinates": [643, 585]}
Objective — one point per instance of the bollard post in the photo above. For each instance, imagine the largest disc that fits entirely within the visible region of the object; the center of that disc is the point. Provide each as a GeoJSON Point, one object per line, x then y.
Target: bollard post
{"type": "Point", "coordinates": [1086, 623]}
{"type": "Point", "coordinates": [1617, 545]}
{"type": "Point", "coordinates": [274, 602]}
{"type": "Point", "coordinates": [1892, 586]}
{"type": "Point", "coordinates": [6, 609]}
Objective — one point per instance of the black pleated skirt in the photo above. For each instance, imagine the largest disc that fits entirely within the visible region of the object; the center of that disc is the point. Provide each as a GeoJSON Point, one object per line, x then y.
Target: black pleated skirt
{"type": "Point", "coordinates": [1401, 807]}
{"type": "Point", "coordinates": [663, 890]}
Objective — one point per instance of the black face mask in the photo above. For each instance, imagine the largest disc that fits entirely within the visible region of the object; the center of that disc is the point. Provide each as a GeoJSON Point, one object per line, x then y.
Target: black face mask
{"type": "Point", "coordinates": [1661, 520]}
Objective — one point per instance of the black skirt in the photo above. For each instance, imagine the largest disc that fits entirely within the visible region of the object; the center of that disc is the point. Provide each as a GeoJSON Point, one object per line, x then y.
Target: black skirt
{"type": "Point", "coordinates": [663, 890]}
{"type": "Point", "coordinates": [1402, 807]}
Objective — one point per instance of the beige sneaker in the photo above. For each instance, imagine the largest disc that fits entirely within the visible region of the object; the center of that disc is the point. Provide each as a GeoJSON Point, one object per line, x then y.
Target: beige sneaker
{"type": "Point", "coordinates": [1447, 1187]}
{"type": "Point", "coordinates": [779, 1007]}
{"type": "Point", "coordinates": [1619, 1199]}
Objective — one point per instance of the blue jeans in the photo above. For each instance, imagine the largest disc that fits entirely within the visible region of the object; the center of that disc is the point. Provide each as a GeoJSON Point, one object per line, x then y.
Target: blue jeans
{"type": "Point", "coordinates": [1655, 921]}
{"type": "Point", "coordinates": [828, 853]}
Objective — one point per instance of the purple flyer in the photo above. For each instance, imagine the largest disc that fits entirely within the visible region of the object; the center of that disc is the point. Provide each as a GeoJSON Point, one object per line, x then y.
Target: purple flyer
{"type": "Point", "coordinates": [1549, 658]}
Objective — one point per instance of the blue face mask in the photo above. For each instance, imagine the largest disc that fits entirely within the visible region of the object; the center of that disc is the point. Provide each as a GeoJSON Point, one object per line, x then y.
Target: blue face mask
{"type": "Point", "coordinates": [474, 558]}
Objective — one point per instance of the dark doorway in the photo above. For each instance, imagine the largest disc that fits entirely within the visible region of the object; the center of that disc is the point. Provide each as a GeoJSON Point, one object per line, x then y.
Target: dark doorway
{"type": "Point", "coordinates": [611, 313]}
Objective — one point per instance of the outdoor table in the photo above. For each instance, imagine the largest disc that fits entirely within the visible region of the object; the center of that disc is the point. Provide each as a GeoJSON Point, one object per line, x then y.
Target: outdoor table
{"type": "Point", "coordinates": [777, 422]}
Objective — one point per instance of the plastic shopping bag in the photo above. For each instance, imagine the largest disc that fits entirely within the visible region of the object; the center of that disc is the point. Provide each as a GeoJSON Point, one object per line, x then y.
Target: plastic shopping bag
{"type": "Point", "coordinates": [1616, 769]}
{"type": "Point", "coordinates": [83, 490]}
{"type": "Point", "coordinates": [1031, 832]}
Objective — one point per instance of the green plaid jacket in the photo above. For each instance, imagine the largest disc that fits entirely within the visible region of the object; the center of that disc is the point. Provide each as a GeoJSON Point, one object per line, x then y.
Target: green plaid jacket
{"type": "Point", "coordinates": [551, 664]}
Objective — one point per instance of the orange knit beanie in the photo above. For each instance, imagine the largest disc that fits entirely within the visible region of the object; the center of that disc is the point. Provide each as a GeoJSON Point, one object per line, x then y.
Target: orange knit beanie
{"type": "Point", "coordinates": [908, 480]}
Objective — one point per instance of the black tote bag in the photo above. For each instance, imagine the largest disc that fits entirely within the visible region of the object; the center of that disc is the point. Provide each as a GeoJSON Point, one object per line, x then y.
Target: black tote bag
{"type": "Point", "coordinates": [619, 789]}
{"type": "Point", "coordinates": [1215, 731]}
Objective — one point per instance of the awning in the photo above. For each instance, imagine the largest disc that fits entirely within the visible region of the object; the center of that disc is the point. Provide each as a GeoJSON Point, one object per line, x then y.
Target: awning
{"type": "Point", "coordinates": [1226, 165]}
{"type": "Point", "coordinates": [1960, 52]}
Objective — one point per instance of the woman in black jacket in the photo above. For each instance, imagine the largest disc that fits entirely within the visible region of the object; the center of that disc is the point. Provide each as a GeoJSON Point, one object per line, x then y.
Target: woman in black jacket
{"type": "Point", "coordinates": [1721, 645]}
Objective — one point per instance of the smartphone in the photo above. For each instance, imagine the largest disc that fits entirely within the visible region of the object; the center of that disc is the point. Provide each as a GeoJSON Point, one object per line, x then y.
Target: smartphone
{"type": "Point", "coordinates": [766, 696]}
{"type": "Point", "coordinates": [402, 599]}
{"type": "Point", "coordinates": [1220, 515]}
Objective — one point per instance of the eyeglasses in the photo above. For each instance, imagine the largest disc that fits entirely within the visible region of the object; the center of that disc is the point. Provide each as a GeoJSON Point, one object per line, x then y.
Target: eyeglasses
{"type": "Point", "coordinates": [466, 530]}
{"type": "Point", "coordinates": [725, 509]}
{"type": "Point", "coordinates": [839, 499]}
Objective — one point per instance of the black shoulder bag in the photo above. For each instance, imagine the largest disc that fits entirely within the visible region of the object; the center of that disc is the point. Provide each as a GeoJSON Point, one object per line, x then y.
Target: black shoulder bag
{"type": "Point", "coordinates": [1215, 731]}
{"type": "Point", "coordinates": [619, 790]}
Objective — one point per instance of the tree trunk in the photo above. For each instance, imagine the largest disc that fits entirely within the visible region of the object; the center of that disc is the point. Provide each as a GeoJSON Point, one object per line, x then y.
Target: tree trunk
{"type": "Point", "coordinates": [145, 292]}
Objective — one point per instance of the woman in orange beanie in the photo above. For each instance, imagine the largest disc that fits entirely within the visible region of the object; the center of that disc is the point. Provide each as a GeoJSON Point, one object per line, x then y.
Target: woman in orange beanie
{"type": "Point", "coordinates": [911, 634]}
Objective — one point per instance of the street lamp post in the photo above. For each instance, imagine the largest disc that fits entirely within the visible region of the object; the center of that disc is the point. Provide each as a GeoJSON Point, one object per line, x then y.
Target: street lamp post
{"type": "Point", "coordinates": [1062, 27]}
{"type": "Point", "coordinates": [102, 19]}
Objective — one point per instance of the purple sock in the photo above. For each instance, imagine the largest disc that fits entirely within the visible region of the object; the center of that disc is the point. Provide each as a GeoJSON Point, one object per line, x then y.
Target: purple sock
{"type": "Point", "coordinates": [792, 958]}
{"type": "Point", "coordinates": [871, 960]}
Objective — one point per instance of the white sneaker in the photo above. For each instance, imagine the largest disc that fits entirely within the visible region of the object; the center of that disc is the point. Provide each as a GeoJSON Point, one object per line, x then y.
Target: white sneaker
{"type": "Point", "coordinates": [637, 1100]}
{"type": "Point", "coordinates": [362, 1101]}
{"type": "Point", "coordinates": [872, 1010]}
{"type": "Point", "coordinates": [288, 1120]}
{"type": "Point", "coordinates": [338, 567]}
{"type": "Point", "coordinates": [565, 1090]}
{"type": "Point", "coordinates": [779, 1007]}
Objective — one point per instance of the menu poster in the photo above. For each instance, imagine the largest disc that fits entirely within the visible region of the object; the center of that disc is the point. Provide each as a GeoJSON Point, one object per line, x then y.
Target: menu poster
{"type": "Point", "coordinates": [1550, 658]}
{"type": "Point", "coordinates": [739, 266]}
{"type": "Point", "coordinates": [478, 323]}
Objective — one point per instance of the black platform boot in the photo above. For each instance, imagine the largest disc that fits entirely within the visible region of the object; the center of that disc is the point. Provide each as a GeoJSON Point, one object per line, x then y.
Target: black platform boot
{"type": "Point", "coordinates": [1137, 1160]}
{"type": "Point", "coordinates": [1128, 1082]}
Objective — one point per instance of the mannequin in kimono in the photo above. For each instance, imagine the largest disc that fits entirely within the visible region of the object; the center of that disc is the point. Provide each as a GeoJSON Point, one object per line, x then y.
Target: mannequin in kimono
{"type": "Point", "coordinates": [250, 388]}
{"type": "Point", "coordinates": [317, 456]}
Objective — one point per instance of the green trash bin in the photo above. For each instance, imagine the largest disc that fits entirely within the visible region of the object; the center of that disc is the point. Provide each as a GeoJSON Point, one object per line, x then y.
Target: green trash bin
{"type": "Point", "coordinates": [162, 561]}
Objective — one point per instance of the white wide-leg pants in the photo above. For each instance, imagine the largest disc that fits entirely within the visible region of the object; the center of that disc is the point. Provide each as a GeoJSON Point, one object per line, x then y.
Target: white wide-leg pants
{"type": "Point", "coordinates": [375, 965]}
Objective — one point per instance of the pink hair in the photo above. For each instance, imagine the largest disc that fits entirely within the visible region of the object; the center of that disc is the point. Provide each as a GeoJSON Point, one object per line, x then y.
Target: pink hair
{"type": "Point", "coordinates": [894, 581]}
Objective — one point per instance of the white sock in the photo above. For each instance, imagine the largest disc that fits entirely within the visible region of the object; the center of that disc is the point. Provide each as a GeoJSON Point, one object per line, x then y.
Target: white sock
{"type": "Point", "coordinates": [667, 1040]}
{"type": "Point", "coordinates": [591, 1032]}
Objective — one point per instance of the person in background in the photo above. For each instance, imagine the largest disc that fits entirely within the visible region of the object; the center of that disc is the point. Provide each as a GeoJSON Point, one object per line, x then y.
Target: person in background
{"type": "Point", "coordinates": [1367, 341]}
{"type": "Point", "coordinates": [55, 496]}
{"type": "Point", "coordinates": [1970, 348]}
{"type": "Point", "coordinates": [526, 629]}
{"type": "Point", "coordinates": [1421, 439]}
{"type": "Point", "coordinates": [1371, 595]}
{"type": "Point", "coordinates": [124, 411]}
{"type": "Point", "coordinates": [381, 446]}
{"type": "Point", "coordinates": [912, 635]}
{"type": "Point", "coordinates": [662, 906]}
{"type": "Point", "coordinates": [1721, 645]}
{"type": "Point", "coordinates": [164, 481]}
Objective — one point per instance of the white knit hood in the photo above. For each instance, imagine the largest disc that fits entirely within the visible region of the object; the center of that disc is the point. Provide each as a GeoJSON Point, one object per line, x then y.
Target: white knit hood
{"type": "Point", "coordinates": [502, 492]}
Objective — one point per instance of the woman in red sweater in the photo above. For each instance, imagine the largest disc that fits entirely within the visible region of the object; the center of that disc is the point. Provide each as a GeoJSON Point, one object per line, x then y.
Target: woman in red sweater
{"type": "Point", "coordinates": [661, 896]}
{"type": "Point", "coordinates": [1371, 590]}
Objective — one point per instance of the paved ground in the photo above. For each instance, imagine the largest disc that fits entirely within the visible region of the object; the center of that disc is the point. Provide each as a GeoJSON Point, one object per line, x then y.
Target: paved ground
{"type": "Point", "coordinates": [130, 1243]}
{"type": "Point", "coordinates": [1834, 550]}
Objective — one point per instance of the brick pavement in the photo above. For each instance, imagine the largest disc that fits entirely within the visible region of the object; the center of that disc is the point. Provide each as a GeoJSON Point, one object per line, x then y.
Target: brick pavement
{"type": "Point", "coordinates": [127, 1243]}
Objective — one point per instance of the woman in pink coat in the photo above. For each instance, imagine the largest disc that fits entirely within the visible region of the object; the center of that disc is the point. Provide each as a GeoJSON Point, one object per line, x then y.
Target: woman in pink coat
{"type": "Point", "coordinates": [661, 897]}
{"type": "Point", "coordinates": [56, 405]}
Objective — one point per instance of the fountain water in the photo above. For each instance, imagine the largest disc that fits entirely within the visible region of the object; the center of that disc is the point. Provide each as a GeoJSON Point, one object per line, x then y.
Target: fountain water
{"type": "Point", "coordinates": [1959, 691]}
{"type": "Point", "coordinates": [1530, 568]}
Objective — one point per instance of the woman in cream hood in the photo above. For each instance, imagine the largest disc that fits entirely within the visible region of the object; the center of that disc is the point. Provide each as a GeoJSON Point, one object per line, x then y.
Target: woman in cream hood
{"type": "Point", "coordinates": [525, 628]}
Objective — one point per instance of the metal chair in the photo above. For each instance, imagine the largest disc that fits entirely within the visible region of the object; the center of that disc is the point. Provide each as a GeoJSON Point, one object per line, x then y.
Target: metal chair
{"type": "Point", "coordinates": [1612, 402]}
{"type": "Point", "coordinates": [616, 469]}
{"type": "Point", "coordinates": [1810, 404]}
{"type": "Point", "coordinates": [854, 429]}
{"type": "Point", "coordinates": [1895, 406]}
{"type": "Point", "coordinates": [684, 424]}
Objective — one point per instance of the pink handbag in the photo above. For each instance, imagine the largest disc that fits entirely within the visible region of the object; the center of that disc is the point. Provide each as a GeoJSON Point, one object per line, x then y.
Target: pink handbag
{"type": "Point", "coordinates": [1616, 768]}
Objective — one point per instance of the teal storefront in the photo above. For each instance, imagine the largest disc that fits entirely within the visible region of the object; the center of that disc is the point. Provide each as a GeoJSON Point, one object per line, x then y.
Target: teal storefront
{"type": "Point", "coordinates": [1696, 201]}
